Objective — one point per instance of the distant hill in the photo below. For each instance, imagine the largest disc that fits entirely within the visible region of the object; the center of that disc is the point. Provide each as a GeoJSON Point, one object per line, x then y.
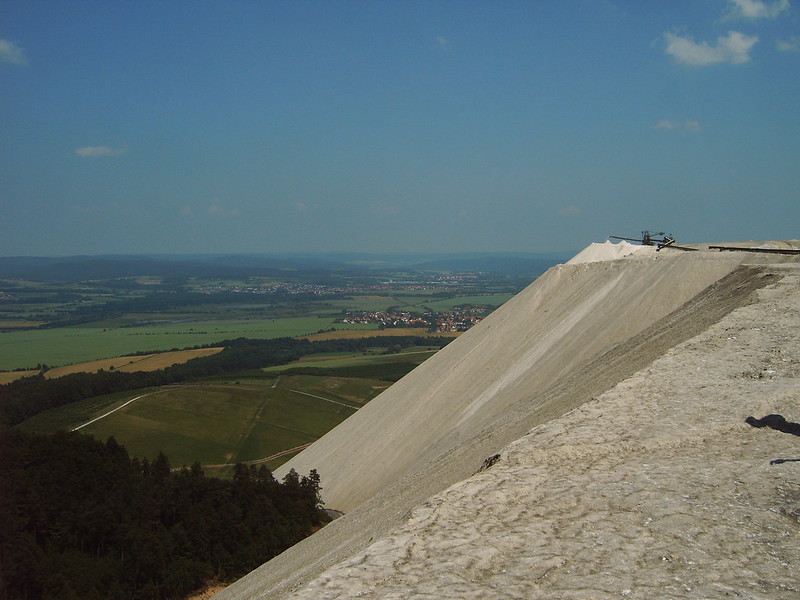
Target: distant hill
{"type": "Point", "coordinates": [508, 265]}
{"type": "Point", "coordinates": [82, 268]}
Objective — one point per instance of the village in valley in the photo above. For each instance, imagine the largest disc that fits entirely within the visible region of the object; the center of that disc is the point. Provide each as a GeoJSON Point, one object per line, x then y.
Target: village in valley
{"type": "Point", "coordinates": [456, 320]}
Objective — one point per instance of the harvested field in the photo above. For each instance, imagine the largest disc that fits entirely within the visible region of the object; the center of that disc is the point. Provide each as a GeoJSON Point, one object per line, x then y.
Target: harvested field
{"type": "Point", "coordinates": [9, 376]}
{"type": "Point", "coordinates": [131, 364]}
{"type": "Point", "coordinates": [19, 324]}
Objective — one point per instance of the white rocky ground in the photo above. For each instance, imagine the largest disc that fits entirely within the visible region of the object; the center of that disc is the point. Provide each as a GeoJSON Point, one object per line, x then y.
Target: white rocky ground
{"type": "Point", "coordinates": [656, 489]}
{"type": "Point", "coordinates": [652, 487]}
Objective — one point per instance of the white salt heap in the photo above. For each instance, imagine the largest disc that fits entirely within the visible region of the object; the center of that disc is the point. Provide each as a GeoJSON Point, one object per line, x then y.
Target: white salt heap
{"type": "Point", "coordinates": [609, 251]}
{"type": "Point", "coordinates": [615, 393]}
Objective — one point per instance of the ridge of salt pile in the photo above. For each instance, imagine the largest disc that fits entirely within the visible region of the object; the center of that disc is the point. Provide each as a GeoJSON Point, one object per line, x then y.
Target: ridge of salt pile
{"type": "Point", "coordinates": [599, 252]}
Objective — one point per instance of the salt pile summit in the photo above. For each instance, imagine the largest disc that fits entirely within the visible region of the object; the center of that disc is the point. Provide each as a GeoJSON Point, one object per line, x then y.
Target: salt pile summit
{"type": "Point", "coordinates": [614, 390]}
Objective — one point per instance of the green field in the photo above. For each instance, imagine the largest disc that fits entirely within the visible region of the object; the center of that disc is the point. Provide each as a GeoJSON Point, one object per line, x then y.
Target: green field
{"type": "Point", "coordinates": [493, 300]}
{"type": "Point", "coordinates": [67, 345]}
{"type": "Point", "coordinates": [220, 423]}
{"type": "Point", "coordinates": [446, 304]}
{"type": "Point", "coordinates": [365, 303]}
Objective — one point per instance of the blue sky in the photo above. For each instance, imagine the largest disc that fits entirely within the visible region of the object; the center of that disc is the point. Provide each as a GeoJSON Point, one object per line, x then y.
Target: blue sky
{"type": "Point", "coordinates": [395, 126]}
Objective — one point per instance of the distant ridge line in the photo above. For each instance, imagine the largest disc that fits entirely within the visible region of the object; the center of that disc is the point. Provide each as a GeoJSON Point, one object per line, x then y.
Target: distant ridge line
{"type": "Point", "coordinates": [762, 250]}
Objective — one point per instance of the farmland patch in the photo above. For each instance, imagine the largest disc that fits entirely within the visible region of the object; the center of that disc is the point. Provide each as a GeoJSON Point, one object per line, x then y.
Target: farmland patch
{"type": "Point", "coordinates": [68, 345]}
{"type": "Point", "coordinates": [131, 364]}
{"type": "Point", "coordinates": [221, 423]}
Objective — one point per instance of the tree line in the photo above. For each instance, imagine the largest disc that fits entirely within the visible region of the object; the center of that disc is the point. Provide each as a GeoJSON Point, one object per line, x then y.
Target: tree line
{"type": "Point", "coordinates": [80, 519]}
{"type": "Point", "coordinates": [161, 301]}
{"type": "Point", "coordinates": [26, 397]}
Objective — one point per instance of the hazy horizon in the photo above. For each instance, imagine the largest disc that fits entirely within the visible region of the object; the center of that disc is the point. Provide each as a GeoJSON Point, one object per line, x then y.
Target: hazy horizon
{"type": "Point", "coordinates": [290, 254]}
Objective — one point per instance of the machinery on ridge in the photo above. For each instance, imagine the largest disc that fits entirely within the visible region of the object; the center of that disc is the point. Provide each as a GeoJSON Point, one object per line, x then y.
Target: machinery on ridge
{"type": "Point", "coordinates": [648, 239]}
{"type": "Point", "coordinates": [659, 240]}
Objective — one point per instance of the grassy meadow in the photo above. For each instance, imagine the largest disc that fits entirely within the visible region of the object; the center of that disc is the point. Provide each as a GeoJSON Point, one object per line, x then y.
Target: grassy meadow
{"type": "Point", "coordinates": [219, 423]}
{"type": "Point", "coordinates": [493, 300]}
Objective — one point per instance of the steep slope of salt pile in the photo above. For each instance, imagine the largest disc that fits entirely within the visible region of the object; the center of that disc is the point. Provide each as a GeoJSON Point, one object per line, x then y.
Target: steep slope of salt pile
{"type": "Point", "coordinates": [655, 489]}
{"type": "Point", "coordinates": [569, 337]}
{"type": "Point", "coordinates": [565, 318]}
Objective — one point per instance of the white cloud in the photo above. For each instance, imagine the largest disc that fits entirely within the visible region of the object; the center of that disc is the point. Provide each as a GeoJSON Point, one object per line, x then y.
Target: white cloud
{"type": "Point", "coordinates": [671, 125]}
{"type": "Point", "coordinates": [11, 53]}
{"type": "Point", "coordinates": [757, 9]}
{"type": "Point", "coordinates": [668, 124]}
{"type": "Point", "coordinates": [99, 151]}
{"type": "Point", "coordinates": [733, 48]}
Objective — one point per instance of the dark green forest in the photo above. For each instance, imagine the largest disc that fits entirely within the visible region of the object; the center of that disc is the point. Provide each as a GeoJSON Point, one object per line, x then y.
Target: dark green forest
{"type": "Point", "coordinates": [80, 519]}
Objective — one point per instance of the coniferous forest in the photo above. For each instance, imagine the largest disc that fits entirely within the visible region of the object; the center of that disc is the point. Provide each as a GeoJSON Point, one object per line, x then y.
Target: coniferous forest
{"type": "Point", "coordinates": [82, 520]}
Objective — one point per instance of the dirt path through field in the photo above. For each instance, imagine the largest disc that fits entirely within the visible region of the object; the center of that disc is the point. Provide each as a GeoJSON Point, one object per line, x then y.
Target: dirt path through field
{"type": "Point", "coordinates": [247, 430]}
{"type": "Point", "coordinates": [322, 398]}
{"type": "Point", "coordinates": [258, 461]}
{"type": "Point", "coordinates": [121, 406]}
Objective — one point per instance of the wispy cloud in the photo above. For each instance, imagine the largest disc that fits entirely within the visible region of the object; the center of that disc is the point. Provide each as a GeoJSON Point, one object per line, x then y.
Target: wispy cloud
{"type": "Point", "coordinates": [570, 211]}
{"type": "Point", "coordinates": [733, 48]}
{"type": "Point", "coordinates": [99, 151]}
{"type": "Point", "coordinates": [790, 45]}
{"type": "Point", "coordinates": [12, 54]}
{"type": "Point", "coordinates": [671, 125]}
{"type": "Point", "coordinates": [757, 9]}
{"type": "Point", "coordinates": [444, 44]}
{"type": "Point", "coordinates": [384, 208]}
{"type": "Point", "coordinates": [216, 210]}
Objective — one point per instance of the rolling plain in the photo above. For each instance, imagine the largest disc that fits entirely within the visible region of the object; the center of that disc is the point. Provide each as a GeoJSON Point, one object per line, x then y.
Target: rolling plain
{"type": "Point", "coordinates": [68, 320]}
